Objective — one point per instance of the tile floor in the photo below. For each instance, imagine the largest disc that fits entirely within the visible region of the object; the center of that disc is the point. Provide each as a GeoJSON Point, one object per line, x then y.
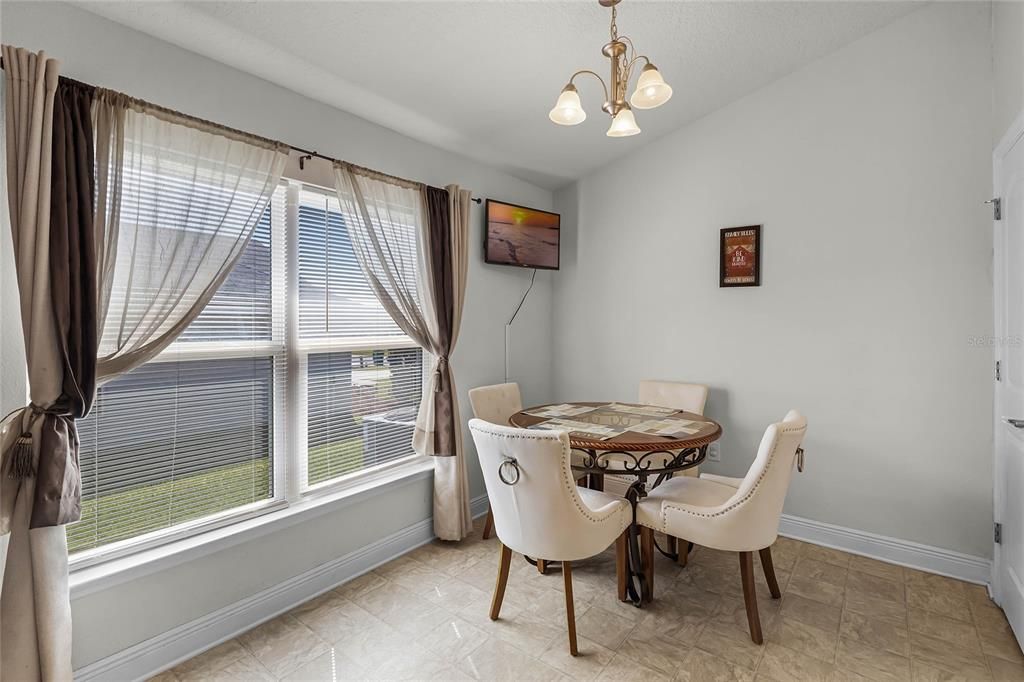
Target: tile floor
{"type": "Point", "coordinates": [424, 616]}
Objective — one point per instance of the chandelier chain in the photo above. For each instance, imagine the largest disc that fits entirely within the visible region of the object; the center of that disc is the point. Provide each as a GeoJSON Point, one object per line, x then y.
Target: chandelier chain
{"type": "Point", "coordinates": [614, 26]}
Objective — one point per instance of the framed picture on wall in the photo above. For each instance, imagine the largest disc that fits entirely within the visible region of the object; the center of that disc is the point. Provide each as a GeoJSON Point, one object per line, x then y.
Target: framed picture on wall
{"type": "Point", "coordinates": [740, 254]}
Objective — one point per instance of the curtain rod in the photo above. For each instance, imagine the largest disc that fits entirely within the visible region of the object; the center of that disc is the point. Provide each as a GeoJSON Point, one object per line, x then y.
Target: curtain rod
{"type": "Point", "coordinates": [306, 153]}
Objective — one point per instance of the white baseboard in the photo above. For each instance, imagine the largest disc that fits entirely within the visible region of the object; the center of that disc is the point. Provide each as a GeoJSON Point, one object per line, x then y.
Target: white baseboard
{"type": "Point", "coordinates": [166, 650]}
{"type": "Point", "coordinates": [965, 567]}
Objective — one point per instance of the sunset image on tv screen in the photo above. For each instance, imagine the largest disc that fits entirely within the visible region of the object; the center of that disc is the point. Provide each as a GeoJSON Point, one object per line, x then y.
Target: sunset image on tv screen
{"type": "Point", "coordinates": [521, 236]}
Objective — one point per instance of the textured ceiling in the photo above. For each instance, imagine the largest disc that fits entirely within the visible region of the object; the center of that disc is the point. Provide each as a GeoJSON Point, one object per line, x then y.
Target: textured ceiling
{"type": "Point", "coordinates": [479, 77]}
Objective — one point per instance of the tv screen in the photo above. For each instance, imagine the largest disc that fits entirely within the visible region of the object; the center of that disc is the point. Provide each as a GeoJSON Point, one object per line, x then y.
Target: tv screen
{"type": "Point", "coordinates": [521, 236]}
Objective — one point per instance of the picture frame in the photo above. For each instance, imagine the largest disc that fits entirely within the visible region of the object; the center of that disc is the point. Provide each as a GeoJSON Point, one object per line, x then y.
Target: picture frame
{"type": "Point", "coordinates": [739, 254]}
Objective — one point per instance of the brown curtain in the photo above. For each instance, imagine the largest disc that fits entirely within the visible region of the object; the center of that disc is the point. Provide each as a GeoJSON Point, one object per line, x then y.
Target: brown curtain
{"type": "Point", "coordinates": [50, 197]}
{"type": "Point", "coordinates": [439, 256]}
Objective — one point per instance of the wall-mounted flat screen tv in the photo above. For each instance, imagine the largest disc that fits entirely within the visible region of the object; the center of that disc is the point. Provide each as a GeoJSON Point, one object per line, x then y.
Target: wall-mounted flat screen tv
{"type": "Point", "coordinates": [521, 236]}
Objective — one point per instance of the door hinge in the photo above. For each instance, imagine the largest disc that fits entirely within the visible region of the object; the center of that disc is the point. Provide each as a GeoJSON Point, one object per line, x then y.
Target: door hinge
{"type": "Point", "coordinates": [999, 374]}
{"type": "Point", "coordinates": [999, 534]}
{"type": "Point", "coordinates": [997, 208]}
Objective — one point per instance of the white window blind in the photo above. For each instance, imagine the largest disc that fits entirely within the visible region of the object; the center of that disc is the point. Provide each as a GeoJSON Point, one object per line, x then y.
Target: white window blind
{"type": "Point", "coordinates": [171, 442]}
{"type": "Point", "coordinates": [364, 377]}
{"type": "Point", "coordinates": [200, 432]}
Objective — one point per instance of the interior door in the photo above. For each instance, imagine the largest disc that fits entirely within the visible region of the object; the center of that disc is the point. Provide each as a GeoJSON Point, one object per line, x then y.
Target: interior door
{"type": "Point", "coordinates": [1008, 569]}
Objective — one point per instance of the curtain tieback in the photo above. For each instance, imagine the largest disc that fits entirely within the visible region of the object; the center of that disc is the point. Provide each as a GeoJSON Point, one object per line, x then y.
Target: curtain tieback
{"type": "Point", "coordinates": [442, 365]}
{"type": "Point", "coordinates": [20, 455]}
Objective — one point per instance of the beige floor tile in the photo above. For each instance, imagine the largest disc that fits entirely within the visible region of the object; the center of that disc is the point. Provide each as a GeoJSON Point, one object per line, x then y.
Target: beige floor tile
{"type": "Point", "coordinates": [938, 599]}
{"type": "Point", "coordinates": [810, 588]}
{"type": "Point", "coordinates": [361, 585]}
{"type": "Point", "coordinates": [415, 664]}
{"type": "Point", "coordinates": [497, 660]}
{"type": "Point", "coordinates": [246, 669]}
{"type": "Point", "coordinates": [604, 627]}
{"type": "Point", "coordinates": [875, 586]}
{"type": "Point", "coordinates": [958, 632]}
{"type": "Point", "coordinates": [826, 554]}
{"type": "Point", "coordinates": [732, 610]}
{"type": "Point", "coordinates": [445, 556]}
{"type": "Point", "coordinates": [730, 643]}
{"type": "Point", "coordinates": [804, 610]}
{"type": "Point", "coordinates": [656, 650]}
{"type": "Point", "coordinates": [1000, 642]}
{"type": "Point", "coordinates": [1005, 671]}
{"type": "Point", "coordinates": [450, 593]}
{"type": "Point", "coordinates": [814, 569]}
{"type": "Point", "coordinates": [941, 654]}
{"type": "Point", "coordinates": [283, 644]}
{"type": "Point", "coordinates": [877, 568]}
{"type": "Point", "coordinates": [376, 640]}
{"type": "Point", "coordinates": [782, 664]}
{"type": "Point", "coordinates": [876, 608]}
{"type": "Point", "coordinates": [401, 609]}
{"type": "Point", "coordinates": [453, 639]}
{"type": "Point", "coordinates": [326, 601]}
{"type": "Point", "coordinates": [328, 667]}
{"type": "Point", "coordinates": [213, 659]}
{"type": "Point", "coordinates": [876, 633]}
{"type": "Point", "coordinates": [336, 620]}
{"type": "Point", "coordinates": [840, 675]}
{"type": "Point", "coordinates": [926, 672]}
{"type": "Point", "coordinates": [807, 639]}
{"type": "Point", "coordinates": [871, 662]}
{"type": "Point", "coordinates": [702, 666]}
{"type": "Point", "coordinates": [680, 622]}
{"type": "Point", "coordinates": [528, 629]}
{"type": "Point", "coordinates": [587, 665]}
{"type": "Point", "coordinates": [912, 576]}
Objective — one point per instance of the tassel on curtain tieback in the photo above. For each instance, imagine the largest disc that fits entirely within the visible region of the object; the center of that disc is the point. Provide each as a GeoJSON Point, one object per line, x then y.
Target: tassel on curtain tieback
{"type": "Point", "coordinates": [21, 457]}
{"type": "Point", "coordinates": [442, 361]}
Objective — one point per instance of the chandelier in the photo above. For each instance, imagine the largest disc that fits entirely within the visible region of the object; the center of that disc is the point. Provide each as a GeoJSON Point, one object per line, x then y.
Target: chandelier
{"type": "Point", "coordinates": [651, 89]}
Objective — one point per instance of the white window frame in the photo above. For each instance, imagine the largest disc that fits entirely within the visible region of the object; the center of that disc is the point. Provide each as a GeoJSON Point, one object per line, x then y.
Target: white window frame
{"type": "Point", "coordinates": [289, 354]}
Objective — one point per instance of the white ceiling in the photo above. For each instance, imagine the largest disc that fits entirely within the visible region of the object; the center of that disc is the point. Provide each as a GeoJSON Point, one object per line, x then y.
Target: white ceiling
{"type": "Point", "coordinates": [478, 78]}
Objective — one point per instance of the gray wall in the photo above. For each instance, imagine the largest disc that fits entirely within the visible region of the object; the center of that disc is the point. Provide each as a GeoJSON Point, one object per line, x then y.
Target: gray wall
{"type": "Point", "coordinates": [1007, 64]}
{"type": "Point", "coordinates": [867, 169]}
{"type": "Point", "coordinates": [98, 51]}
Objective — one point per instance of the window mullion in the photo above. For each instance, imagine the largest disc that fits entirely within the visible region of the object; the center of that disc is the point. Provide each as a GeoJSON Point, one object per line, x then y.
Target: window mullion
{"type": "Point", "coordinates": [296, 385]}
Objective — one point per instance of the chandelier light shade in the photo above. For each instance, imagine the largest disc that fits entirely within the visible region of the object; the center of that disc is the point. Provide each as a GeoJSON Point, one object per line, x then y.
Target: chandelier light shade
{"type": "Point", "coordinates": [568, 110]}
{"type": "Point", "coordinates": [624, 124]}
{"type": "Point", "coordinates": [651, 89]}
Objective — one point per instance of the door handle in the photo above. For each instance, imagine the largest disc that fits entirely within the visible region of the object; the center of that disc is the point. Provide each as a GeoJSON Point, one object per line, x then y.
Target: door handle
{"type": "Point", "coordinates": [1015, 423]}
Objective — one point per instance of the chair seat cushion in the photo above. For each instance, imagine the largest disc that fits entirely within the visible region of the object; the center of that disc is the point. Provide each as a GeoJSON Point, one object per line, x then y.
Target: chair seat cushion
{"type": "Point", "coordinates": [595, 499]}
{"type": "Point", "coordinates": [699, 492]}
{"type": "Point", "coordinates": [724, 480]}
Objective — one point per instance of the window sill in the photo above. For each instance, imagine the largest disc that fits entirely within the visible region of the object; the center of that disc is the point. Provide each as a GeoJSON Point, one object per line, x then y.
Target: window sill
{"type": "Point", "coordinates": [98, 577]}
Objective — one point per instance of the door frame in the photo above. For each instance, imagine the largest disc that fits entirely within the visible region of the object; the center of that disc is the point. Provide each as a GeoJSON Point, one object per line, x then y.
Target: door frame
{"type": "Point", "coordinates": [1011, 137]}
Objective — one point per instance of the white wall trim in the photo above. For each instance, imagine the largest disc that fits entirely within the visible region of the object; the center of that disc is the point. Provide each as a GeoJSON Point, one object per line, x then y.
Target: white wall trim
{"type": "Point", "coordinates": [166, 650]}
{"type": "Point", "coordinates": [972, 569]}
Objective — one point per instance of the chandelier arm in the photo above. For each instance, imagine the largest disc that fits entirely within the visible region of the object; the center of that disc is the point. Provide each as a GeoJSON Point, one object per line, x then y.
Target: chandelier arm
{"type": "Point", "coordinates": [592, 73]}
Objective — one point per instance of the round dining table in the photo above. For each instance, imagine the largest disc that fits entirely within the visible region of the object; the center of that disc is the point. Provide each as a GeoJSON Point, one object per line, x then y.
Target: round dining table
{"type": "Point", "coordinates": [666, 441]}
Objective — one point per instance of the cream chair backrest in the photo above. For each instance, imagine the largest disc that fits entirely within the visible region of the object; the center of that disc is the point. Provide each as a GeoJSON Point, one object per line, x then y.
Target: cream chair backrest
{"type": "Point", "coordinates": [688, 397]}
{"type": "Point", "coordinates": [541, 514]}
{"type": "Point", "coordinates": [495, 404]}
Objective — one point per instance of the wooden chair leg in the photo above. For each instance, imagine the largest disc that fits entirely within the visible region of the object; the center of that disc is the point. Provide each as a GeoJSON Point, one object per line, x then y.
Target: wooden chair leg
{"type": "Point", "coordinates": [504, 561]}
{"type": "Point", "coordinates": [570, 611]}
{"type": "Point", "coordinates": [671, 544]}
{"type": "Point", "coordinates": [647, 556]}
{"type": "Point", "coordinates": [542, 566]}
{"type": "Point", "coordinates": [683, 552]}
{"type": "Point", "coordinates": [596, 482]}
{"type": "Point", "coordinates": [488, 525]}
{"type": "Point", "coordinates": [769, 572]}
{"type": "Point", "coordinates": [622, 564]}
{"type": "Point", "coordinates": [750, 596]}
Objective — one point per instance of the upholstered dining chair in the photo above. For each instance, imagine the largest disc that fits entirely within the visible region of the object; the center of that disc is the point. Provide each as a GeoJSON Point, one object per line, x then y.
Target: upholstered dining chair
{"type": "Point", "coordinates": [539, 510]}
{"type": "Point", "coordinates": [495, 404]}
{"type": "Point", "coordinates": [730, 514]}
{"type": "Point", "coordinates": [675, 394]}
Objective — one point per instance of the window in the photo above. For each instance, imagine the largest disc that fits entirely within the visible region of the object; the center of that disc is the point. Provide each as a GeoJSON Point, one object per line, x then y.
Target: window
{"type": "Point", "coordinates": [284, 376]}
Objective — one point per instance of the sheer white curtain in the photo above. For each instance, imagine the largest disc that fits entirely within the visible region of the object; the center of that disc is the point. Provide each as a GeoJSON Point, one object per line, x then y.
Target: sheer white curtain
{"type": "Point", "coordinates": [178, 200]}
{"type": "Point", "coordinates": [424, 297]}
